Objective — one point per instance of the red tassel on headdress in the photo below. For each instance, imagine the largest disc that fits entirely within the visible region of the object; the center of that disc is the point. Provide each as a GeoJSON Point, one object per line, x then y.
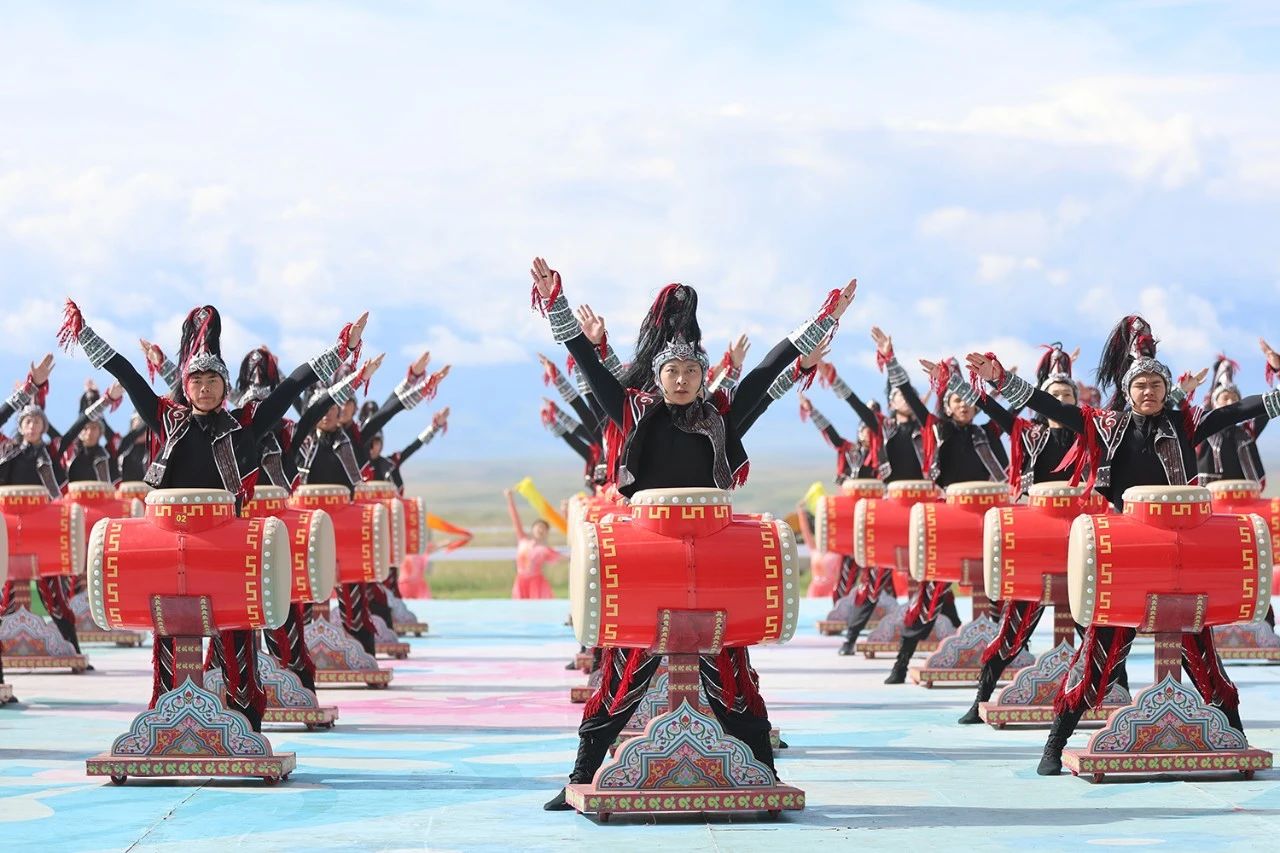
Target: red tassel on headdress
{"type": "Point", "coordinates": [659, 308]}
{"type": "Point", "coordinates": [72, 326]}
{"type": "Point", "coordinates": [198, 340]}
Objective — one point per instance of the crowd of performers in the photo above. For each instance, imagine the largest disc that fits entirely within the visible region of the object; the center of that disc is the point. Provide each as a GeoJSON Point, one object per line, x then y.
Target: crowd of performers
{"type": "Point", "coordinates": [205, 429]}
{"type": "Point", "coordinates": [670, 418]}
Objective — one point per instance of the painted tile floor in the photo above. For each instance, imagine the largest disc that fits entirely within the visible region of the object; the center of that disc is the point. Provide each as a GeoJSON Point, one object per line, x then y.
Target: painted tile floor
{"type": "Point", "coordinates": [477, 731]}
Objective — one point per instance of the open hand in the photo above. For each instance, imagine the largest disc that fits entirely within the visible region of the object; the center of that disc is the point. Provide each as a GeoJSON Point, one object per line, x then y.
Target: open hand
{"type": "Point", "coordinates": [419, 366]}
{"type": "Point", "coordinates": [592, 324]}
{"type": "Point", "coordinates": [115, 391]}
{"type": "Point", "coordinates": [441, 418]}
{"type": "Point", "coordinates": [987, 368]}
{"type": "Point", "coordinates": [819, 354]}
{"type": "Point", "coordinates": [1191, 382]}
{"type": "Point", "coordinates": [845, 299]}
{"type": "Point", "coordinates": [152, 352]}
{"type": "Point", "coordinates": [40, 371]}
{"type": "Point", "coordinates": [370, 367]}
{"type": "Point", "coordinates": [738, 350]}
{"type": "Point", "coordinates": [545, 279]}
{"type": "Point", "coordinates": [884, 343]}
{"type": "Point", "coordinates": [357, 330]}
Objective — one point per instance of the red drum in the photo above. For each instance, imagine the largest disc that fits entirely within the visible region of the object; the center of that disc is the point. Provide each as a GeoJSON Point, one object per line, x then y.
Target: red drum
{"type": "Point", "coordinates": [314, 556]}
{"type": "Point", "coordinates": [46, 537]}
{"type": "Point", "coordinates": [361, 532]}
{"type": "Point", "coordinates": [190, 542]}
{"type": "Point", "coordinates": [385, 493]}
{"type": "Point", "coordinates": [683, 549]}
{"type": "Point", "coordinates": [943, 535]}
{"type": "Point", "coordinates": [833, 521]}
{"type": "Point", "coordinates": [591, 508]}
{"type": "Point", "coordinates": [1168, 542]}
{"type": "Point", "coordinates": [133, 489]}
{"type": "Point", "coordinates": [1234, 496]}
{"type": "Point", "coordinates": [417, 534]}
{"type": "Point", "coordinates": [100, 500]}
{"type": "Point", "coordinates": [1023, 546]}
{"type": "Point", "coordinates": [880, 524]}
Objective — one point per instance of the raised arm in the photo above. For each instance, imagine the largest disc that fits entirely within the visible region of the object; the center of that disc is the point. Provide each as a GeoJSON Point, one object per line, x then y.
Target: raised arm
{"type": "Point", "coordinates": [1000, 416]}
{"type": "Point", "coordinates": [439, 424]}
{"type": "Point", "coordinates": [516, 524]}
{"type": "Point", "coordinates": [551, 375]}
{"type": "Point", "coordinates": [322, 368]}
{"type": "Point", "coordinates": [101, 356]}
{"type": "Point", "coordinates": [1255, 406]}
{"type": "Point", "coordinates": [755, 392]}
{"type": "Point", "coordinates": [1019, 392]}
{"type": "Point", "coordinates": [37, 379]}
{"type": "Point", "coordinates": [898, 377]}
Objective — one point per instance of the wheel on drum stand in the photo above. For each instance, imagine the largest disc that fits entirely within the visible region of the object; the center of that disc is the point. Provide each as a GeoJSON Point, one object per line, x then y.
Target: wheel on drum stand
{"type": "Point", "coordinates": [118, 779]}
{"type": "Point", "coordinates": [1096, 778]}
{"type": "Point", "coordinates": [1247, 774]}
{"type": "Point", "coordinates": [604, 816]}
{"type": "Point", "coordinates": [774, 814]}
{"type": "Point", "coordinates": [270, 781]}
{"type": "Point", "coordinates": [320, 727]}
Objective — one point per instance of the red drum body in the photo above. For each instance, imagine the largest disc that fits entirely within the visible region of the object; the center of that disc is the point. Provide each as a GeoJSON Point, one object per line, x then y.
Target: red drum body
{"type": "Point", "coordinates": [132, 489]}
{"type": "Point", "coordinates": [362, 536]}
{"type": "Point", "coordinates": [189, 542]}
{"type": "Point", "coordinates": [46, 538]}
{"type": "Point", "coordinates": [833, 521]}
{"type": "Point", "coordinates": [385, 493]}
{"type": "Point", "coordinates": [593, 508]}
{"type": "Point", "coordinates": [417, 535]}
{"type": "Point", "coordinates": [1168, 542]}
{"type": "Point", "coordinates": [944, 535]}
{"type": "Point", "coordinates": [312, 548]}
{"type": "Point", "coordinates": [1025, 546]}
{"type": "Point", "coordinates": [1235, 496]}
{"type": "Point", "coordinates": [880, 525]}
{"type": "Point", "coordinates": [101, 500]}
{"type": "Point", "coordinates": [683, 549]}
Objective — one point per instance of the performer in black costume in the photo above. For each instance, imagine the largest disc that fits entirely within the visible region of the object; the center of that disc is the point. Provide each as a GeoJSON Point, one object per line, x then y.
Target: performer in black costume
{"type": "Point", "coordinates": [28, 460]}
{"type": "Point", "coordinates": [206, 446]}
{"type": "Point", "coordinates": [675, 438]}
{"type": "Point", "coordinates": [956, 450]}
{"type": "Point", "coordinates": [1140, 440]}
{"type": "Point", "coordinates": [326, 454]}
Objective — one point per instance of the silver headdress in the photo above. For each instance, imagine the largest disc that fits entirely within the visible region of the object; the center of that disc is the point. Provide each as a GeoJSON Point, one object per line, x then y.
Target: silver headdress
{"type": "Point", "coordinates": [678, 349]}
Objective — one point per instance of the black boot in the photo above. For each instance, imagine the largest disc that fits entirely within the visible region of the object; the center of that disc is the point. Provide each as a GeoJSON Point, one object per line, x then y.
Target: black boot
{"type": "Point", "coordinates": [1233, 717]}
{"type": "Point", "coordinates": [899, 672]}
{"type": "Point", "coordinates": [986, 686]}
{"type": "Point", "coordinates": [848, 647]}
{"type": "Point", "coordinates": [557, 803]}
{"type": "Point", "coordinates": [1063, 725]}
{"type": "Point", "coordinates": [1122, 677]}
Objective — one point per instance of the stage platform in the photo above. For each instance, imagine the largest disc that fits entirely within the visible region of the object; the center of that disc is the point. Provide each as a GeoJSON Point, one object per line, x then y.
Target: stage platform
{"type": "Point", "coordinates": [476, 731]}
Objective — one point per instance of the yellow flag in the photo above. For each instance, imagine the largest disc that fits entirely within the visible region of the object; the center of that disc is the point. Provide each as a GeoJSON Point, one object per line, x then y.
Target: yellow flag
{"type": "Point", "coordinates": [545, 511]}
{"type": "Point", "coordinates": [816, 493]}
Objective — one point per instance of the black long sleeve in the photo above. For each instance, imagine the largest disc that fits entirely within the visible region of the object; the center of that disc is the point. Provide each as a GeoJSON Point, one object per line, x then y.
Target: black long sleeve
{"type": "Point", "coordinates": [608, 391]}
{"type": "Point", "coordinates": [917, 406]}
{"type": "Point", "coordinates": [590, 420]}
{"type": "Point", "coordinates": [145, 401]}
{"type": "Point", "coordinates": [867, 416]}
{"type": "Point", "coordinates": [388, 410]}
{"type": "Point", "coordinates": [266, 417]}
{"type": "Point", "coordinates": [999, 415]}
{"type": "Point", "coordinates": [1054, 409]}
{"type": "Point", "coordinates": [1219, 419]}
{"type": "Point", "coordinates": [578, 445]}
{"type": "Point", "coordinates": [751, 397]}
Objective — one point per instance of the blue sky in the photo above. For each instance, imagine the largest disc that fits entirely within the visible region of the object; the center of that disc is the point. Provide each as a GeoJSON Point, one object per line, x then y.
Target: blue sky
{"type": "Point", "coordinates": [997, 175]}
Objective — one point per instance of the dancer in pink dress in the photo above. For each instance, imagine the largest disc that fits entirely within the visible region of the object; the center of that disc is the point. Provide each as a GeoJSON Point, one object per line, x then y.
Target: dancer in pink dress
{"type": "Point", "coordinates": [532, 553]}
